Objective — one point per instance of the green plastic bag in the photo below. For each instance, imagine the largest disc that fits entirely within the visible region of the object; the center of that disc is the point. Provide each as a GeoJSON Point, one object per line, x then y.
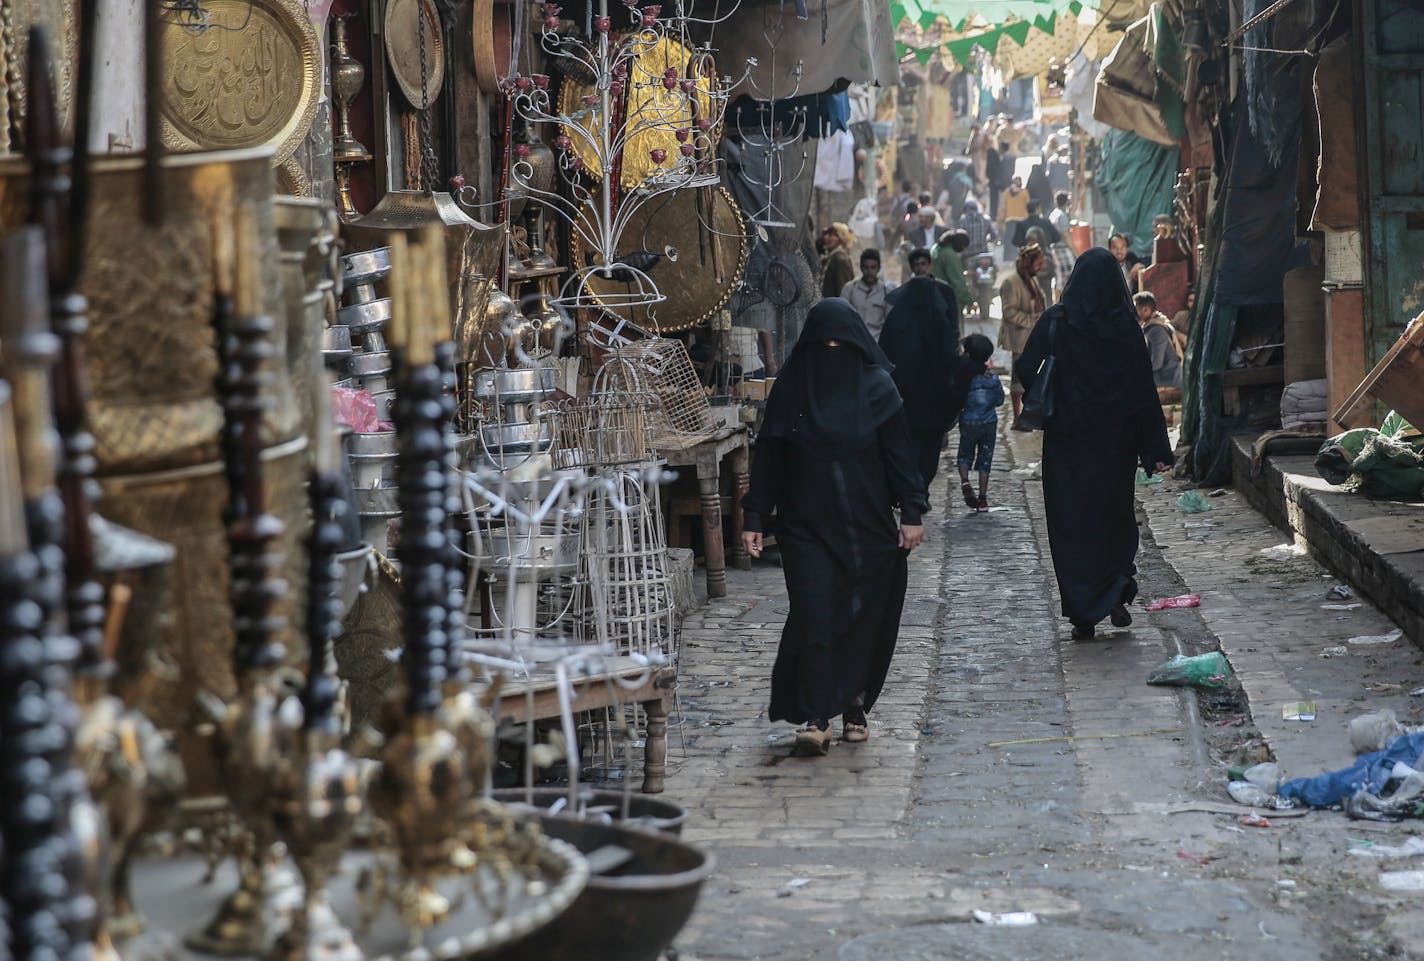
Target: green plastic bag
{"type": "Point", "coordinates": [1203, 670]}
{"type": "Point", "coordinates": [1143, 480]}
{"type": "Point", "coordinates": [1193, 503]}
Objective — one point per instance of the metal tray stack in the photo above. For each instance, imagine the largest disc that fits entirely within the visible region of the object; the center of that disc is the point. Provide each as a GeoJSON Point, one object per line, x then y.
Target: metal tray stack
{"type": "Point", "coordinates": [366, 364]}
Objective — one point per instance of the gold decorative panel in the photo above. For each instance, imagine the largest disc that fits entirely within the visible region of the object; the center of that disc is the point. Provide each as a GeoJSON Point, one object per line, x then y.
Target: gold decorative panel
{"type": "Point", "coordinates": [251, 79]}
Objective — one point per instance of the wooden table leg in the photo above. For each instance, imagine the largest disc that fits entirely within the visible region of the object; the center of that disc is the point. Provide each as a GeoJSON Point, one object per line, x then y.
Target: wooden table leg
{"type": "Point", "coordinates": [710, 487]}
{"type": "Point", "coordinates": [741, 482]}
{"type": "Point", "coordinates": [655, 746]}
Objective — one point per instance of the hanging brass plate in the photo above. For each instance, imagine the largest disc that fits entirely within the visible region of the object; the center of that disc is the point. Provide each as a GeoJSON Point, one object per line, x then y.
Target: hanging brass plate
{"type": "Point", "coordinates": [403, 39]}
{"type": "Point", "coordinates": [706, 228]}
{"type": "Point", "coordinates": [250, 79]}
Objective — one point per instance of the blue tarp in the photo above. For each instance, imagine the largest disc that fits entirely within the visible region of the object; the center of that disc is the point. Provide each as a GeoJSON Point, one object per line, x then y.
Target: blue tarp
{"type": "Point", "coordinates": [1137, 178]}
{"type": "Point", "coordinates": [1370, 771]}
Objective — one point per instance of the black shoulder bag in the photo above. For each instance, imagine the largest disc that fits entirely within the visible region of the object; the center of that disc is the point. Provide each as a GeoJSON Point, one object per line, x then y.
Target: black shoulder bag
{"type": "Point", "coordinates": [1038, 402]}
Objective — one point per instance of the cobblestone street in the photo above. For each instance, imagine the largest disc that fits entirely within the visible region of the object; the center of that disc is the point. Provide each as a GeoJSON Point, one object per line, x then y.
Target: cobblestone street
{"type": "Point", "coordinates": [1010, 769]}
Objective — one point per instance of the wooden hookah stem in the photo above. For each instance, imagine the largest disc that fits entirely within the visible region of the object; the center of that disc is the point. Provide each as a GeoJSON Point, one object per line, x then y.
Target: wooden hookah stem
{"type": "Point", "coordinates": [64, 236]}
{"type": "Point", "coordinates": [245, 354]}
{"type": "Point", "coordinates": [323, 600]}
{"type": "Point", "coordinates": [42, 873]}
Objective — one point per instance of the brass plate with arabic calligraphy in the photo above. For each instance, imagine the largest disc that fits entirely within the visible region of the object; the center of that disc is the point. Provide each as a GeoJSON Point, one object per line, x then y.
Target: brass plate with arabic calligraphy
{"type": "Point", "coordinates": [250, 80]}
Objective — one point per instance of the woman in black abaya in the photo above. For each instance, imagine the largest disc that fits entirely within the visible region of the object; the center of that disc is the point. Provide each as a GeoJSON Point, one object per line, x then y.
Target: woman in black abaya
{"type": "Point", "coordinates": [1106, 422]}
{"type": "Point", "coordinates": [832, 460]}
{"type": "Point", "coordinates": [921, 340]}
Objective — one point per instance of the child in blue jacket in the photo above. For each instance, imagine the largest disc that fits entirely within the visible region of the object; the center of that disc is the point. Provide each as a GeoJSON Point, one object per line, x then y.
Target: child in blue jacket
{"type": "Point", "coordinates": [979, 421]}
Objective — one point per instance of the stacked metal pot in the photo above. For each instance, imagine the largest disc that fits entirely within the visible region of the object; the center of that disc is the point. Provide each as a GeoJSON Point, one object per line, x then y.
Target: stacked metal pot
{"type": "Point", "coordinates": [356, 347]}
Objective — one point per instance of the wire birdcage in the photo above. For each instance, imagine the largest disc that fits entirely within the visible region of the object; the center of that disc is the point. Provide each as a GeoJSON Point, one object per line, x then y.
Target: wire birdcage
{"type": "Point", "coordinates": [630, 596]}
{"type": "Point", "coordinates": [605, 429]}
{"type": "Point", "coordinates": [524, 540]}
{"type": "Point", "coordinates": [661, 367]}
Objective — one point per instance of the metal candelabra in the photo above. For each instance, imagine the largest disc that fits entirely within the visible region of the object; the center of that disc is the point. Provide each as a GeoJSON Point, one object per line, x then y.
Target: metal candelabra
{"type": "Point", "coordinates": [683, 103]}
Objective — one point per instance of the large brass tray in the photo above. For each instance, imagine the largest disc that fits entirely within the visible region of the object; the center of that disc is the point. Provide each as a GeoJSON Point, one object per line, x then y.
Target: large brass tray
{"type": "Point", "coordinates": [251, 79]}
{"type": "Point", "coordinates": [420, 83]}
{"type": "Point", "coordinates": [708, 232]}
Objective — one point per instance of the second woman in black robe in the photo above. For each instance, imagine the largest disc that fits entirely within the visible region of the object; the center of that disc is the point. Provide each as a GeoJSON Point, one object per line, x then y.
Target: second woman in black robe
{"type": "Point", "coordinates": [921, 340]}
{"type": "Point", "coordinates": [1106, 423]}
{"type": "Point", "coordinates": [832, 461]}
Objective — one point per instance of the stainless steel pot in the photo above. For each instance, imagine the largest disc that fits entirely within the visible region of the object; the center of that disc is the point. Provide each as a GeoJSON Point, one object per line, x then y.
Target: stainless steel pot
{"type": "Point", "coordinates": [366, 363]}
{"type": "Point", "coordinates": [365, 267]}
{"type": "Point", "coordinates": [520, 385]}
{"type": "Point", "coordinates": [372, 471]}
{"type": "Point", "coordinates": [372, 445]}
{"type": "Point", "coordinates": [364, 318]}
{"type": "Point", "coordinates": [385, 403]}
{"type": "Point", "coordinates": [512, 438]}
{"type": "Point", "coordinates": [555, 552]}
{"type": "Point", "coordinates": [373, 501]}
{"type": "Point", "coordinates": [335, 344]}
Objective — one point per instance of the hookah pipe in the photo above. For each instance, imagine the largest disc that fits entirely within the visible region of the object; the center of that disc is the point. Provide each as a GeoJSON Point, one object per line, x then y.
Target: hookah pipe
{"type": "Point", "coordinates": [42, 876]}
{"type": "Point", "coordinates": [318, 793]}
{"type": "Point", "coordinates": [425, 782]}
{"type": "Point", "coordinates": [112, 739]}
{"type": "Point", "coordinates": [247, 748]}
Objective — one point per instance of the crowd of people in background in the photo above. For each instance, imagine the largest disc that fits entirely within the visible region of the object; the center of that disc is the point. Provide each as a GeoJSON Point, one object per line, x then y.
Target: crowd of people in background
{"type": "Point", "coordinates": [997, 225]}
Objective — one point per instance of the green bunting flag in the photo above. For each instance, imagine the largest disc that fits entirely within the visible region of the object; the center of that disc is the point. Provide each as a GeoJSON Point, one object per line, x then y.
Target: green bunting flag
{"type": "Point", "coordinates": [959, 50]}
{"type": "Point", "coordinates": [1017, 32]}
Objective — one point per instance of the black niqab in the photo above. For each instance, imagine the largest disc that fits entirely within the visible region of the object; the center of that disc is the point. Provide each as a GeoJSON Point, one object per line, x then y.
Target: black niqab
{"type": "Point", "coordinates": [1102, 371]}
{"type": "Point", "coordinates": [921, 338]}
{"type": "Point", "coordinates": [832, 395]}
{"type": "Point", "coordinates": [1096, 298]}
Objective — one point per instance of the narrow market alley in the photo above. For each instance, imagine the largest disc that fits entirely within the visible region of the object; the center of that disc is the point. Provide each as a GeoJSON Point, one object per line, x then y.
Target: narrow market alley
{"type": "Point", "coordinates": [1012, 770]}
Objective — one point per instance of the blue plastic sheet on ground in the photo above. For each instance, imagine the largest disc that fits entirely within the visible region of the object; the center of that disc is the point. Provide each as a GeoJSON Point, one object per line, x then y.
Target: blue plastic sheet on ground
{"type": "Point", "coordinates": [1370, 771]}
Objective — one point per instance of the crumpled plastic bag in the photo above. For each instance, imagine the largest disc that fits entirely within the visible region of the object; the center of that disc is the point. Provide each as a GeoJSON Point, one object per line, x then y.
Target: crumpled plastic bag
{"type": "Point", "coordinates": [1143, 480]}
{"type": "Point", "coordinates": [1175, 603]}
{"type": "Point", "coordinates": [1371, 732]}
{"type": "Point", "coordinates": [1193, 503]}
{"type": "Point", "coordinates": [356, 408]}
{"type": "Point", "coordinates": [1201, 670]}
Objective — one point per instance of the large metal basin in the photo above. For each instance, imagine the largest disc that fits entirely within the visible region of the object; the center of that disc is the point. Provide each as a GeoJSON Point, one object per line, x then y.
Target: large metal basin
{"type": "Point", "coordinates": [644, 810]}
{"type": "Point", "coordinates": [521, 385]}
{"type": "Point", "coordinates": [631, 913]}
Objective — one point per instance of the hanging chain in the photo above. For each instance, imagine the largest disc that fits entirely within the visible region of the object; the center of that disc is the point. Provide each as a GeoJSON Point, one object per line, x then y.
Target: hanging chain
{"type": "Point", "coordinates": [427, 147]}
